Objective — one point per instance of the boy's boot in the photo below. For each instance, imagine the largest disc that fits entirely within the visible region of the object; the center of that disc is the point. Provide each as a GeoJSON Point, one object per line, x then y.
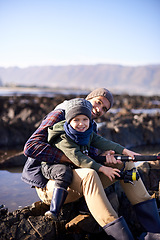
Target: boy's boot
{"type": "Point", "coordinates": [118, 230]}
{"type": "Point", "coordinates": [58, 198]}
{"type": "Point", "coordinates": [148, 216]}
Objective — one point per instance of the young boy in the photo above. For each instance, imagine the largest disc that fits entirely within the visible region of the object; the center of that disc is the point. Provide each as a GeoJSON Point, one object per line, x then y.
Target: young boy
{"type": "Point", "coordinates": [73, 137]}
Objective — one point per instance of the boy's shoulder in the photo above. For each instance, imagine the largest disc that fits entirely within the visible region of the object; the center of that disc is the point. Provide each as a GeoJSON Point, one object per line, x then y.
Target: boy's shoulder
{"type": "Point", "coordinates": [55, 131]}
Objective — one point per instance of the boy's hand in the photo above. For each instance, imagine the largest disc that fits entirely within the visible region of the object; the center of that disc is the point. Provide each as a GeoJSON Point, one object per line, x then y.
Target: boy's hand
{"type": "Point", "coordinates": [110, 172]}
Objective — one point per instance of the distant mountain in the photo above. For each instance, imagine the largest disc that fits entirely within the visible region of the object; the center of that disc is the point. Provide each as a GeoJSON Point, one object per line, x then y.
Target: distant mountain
{"type": "Point", "coordinates": [142, 79]}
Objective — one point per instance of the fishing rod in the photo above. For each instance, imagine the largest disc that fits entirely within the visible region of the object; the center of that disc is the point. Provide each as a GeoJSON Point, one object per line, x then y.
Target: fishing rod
{"type": "Point", "coordinates": [139, 158]}
{"type": "Point", "coordinates": [123, 158]}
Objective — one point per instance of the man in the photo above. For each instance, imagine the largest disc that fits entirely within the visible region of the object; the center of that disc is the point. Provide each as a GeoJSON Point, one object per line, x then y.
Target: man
{"type": "Point", "coordinates": [86, 182]}
{"type": "Point", "coordinates": [38, 149]}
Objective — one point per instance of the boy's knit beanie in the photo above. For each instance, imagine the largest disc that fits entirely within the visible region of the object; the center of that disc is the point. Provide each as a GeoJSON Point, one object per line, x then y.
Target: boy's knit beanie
{"type": "Point", "coordinates": [77, 106]}
{"type": "Point", "coordinates": [101, 92]}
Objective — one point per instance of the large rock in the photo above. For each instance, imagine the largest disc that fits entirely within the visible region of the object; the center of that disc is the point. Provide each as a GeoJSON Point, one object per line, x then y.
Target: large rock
{"type": "Point", "coordinates": [28, 223]}
{"type": "Point", "coordinates": [132, 130]}
{"type": "Point", "coordinates": [150, 174]}
{"type": "Point", "coordinates": [16, 160]}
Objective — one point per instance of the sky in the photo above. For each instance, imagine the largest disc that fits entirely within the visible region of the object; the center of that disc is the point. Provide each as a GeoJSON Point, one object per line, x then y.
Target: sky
{"type": "Point", "coordinates": [64, 32]}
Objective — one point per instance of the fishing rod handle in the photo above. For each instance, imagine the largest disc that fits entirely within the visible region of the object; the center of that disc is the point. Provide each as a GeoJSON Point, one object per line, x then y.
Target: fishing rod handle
{"type": "Point", "coordinates": [139, 158]}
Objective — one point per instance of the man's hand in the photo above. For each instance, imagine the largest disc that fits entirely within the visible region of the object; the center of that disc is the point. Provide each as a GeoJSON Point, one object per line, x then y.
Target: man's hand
{"type": "Point", "coordinates": [110, 159]}
{"type": "Point", "coordinates": [130, 153]}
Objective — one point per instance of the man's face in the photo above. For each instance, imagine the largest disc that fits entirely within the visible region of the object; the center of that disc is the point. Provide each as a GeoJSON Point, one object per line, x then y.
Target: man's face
{"type": "Point", "coordinates": [100, 106]}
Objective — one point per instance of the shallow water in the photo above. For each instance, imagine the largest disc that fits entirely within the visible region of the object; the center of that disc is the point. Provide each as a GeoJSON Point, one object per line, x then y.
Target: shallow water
{"type": "Point", "coordinates": [14, 192]}
{"type": "Point", "coordinates": [17, 194]}
{"type": "Point", "coordinates": [40, 92]}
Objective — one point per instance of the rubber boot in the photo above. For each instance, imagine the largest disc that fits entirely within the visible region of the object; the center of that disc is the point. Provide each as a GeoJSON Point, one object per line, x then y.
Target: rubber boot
{"type": "Point", "coordinates": [58, 198]}
{"type": "Point", "coordinates": [118, 230]}
{"type": "Point", "coordinates": [148, 216]}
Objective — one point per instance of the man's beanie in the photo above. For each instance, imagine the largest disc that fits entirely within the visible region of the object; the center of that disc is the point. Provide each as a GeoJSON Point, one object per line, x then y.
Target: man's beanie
{"type": "Point", "coordinates": [77, 106]}
{"type": "Point", "coordinates": [101, 92]}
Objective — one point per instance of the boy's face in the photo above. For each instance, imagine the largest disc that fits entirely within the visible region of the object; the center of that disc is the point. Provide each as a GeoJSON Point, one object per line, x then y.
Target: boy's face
{"type": "Point", "coordinates": [80, 123]}
{"type": "Point", "coordinates": [100, 106]}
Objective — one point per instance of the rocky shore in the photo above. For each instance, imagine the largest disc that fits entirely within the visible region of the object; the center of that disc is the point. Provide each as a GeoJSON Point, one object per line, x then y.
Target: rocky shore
{"type": "Point", "coordinates": [30, 223]}
{"type": "Point", "coordinates": [20, 116]}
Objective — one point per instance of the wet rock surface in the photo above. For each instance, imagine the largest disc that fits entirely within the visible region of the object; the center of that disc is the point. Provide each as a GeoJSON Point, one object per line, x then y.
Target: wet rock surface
{"type": "Point", "coordinates": [15, 160]}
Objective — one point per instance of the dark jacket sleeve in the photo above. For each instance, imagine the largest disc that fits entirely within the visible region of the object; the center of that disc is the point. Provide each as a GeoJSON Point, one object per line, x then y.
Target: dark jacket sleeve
{"type": "Point", "coordinates": [105, 144]}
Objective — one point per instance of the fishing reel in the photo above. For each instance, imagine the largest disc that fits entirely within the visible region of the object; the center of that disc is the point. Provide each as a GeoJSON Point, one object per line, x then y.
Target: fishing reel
{"type": "Point", "coordinates": [128, 176]}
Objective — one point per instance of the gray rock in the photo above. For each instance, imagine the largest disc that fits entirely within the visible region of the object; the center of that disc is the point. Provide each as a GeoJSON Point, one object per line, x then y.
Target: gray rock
{"type": "Point", "coordinates": [16, 160]}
